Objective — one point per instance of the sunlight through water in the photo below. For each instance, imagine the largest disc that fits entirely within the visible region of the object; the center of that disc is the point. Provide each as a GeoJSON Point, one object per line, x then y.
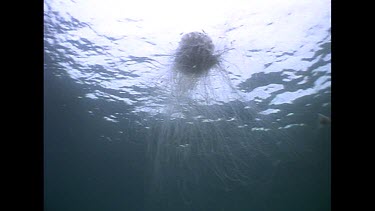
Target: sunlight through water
{"type": "Point", "coordinates": [218, 106]}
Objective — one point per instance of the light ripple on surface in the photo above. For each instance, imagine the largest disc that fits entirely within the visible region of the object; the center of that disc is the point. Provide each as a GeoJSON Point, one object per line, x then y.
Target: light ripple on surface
{"type": "Point", "coordinates": [125, 56]}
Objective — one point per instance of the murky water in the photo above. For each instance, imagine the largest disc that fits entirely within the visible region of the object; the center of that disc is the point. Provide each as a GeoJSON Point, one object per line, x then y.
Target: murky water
{"type": "Point", "coordinates": [244, 135]}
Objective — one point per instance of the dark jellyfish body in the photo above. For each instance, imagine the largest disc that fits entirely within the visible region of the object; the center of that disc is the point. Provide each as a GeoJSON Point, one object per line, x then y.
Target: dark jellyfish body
{"type": "Point", "coordinates": [195, 54]}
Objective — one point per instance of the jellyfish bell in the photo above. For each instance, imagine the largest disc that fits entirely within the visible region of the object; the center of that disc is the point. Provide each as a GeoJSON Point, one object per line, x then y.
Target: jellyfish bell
{"type": "Point", "coordinates": [195, 54]}
{"type": "Point", "coordinates": [195, 65]}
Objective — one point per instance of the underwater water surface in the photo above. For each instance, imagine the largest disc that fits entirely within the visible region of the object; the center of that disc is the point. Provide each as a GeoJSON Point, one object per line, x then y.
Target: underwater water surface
{"type": "Point", "coordinates": [126, 129]}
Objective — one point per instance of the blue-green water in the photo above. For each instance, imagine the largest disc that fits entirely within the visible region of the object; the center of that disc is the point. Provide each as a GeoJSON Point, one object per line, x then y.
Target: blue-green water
{"type": "Point", "coordinates": [117, 138]}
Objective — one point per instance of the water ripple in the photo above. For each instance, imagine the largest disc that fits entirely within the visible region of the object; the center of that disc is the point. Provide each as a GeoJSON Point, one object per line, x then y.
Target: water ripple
{"type": "Point", "coordinates": [276, 58]}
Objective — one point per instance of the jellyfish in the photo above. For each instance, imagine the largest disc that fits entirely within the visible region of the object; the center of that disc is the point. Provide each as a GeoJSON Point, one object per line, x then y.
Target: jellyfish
{"type": "Point", "coordinates": [194, 62]}
{"type": "Point", "coordinates": [199, 143]}
{"type": "Point", "coordinates": [195, 54]}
